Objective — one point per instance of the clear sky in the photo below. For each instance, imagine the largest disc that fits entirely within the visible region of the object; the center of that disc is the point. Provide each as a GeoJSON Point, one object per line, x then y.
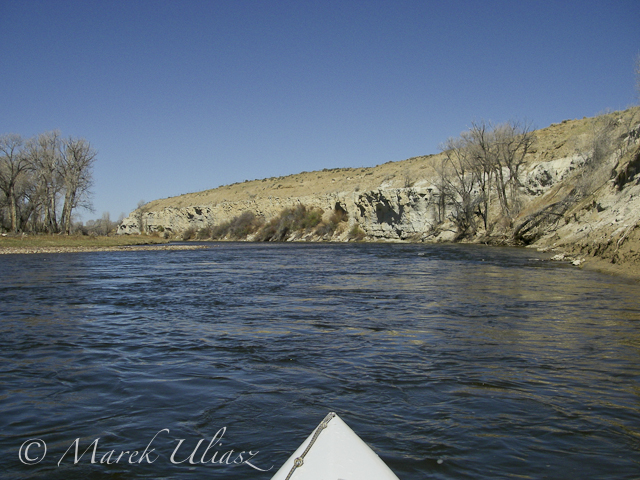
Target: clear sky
{"type": "Point", "coordinates": [183, 96]}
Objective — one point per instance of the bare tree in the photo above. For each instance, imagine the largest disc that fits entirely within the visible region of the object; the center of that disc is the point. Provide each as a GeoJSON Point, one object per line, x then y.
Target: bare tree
{"type": "Point", "coordinates": [100, 226]}
{"type": "Point", "coordinates": [442, 185]}
{"type": "Point", "coordinates": [482, 152]}
{"type": "Point", "coordinates": [460, 179]}
{"type": "Point", "coordinates": [44, 152]}
{"type": "Point", "coordinates": [513, 140]}
{"type": "Point", "coordinates": [13, 166]}
{"type": "Point", "coordinates": [35, 174]}
{"type": "Point", "coordinates": [106, 224]}
{"type": "Point", "coordinates": [29, 197]}
{"type": "Point", "coordinates": [499, 152]}
{"type": "Point", "coordinates": [484, 160]}
{"type": "Point", "coordinates": [76, 164]}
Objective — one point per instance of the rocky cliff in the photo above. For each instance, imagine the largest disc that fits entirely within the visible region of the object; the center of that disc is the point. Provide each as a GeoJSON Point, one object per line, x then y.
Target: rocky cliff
{"type": "Point", "coordinates": [577, 191]}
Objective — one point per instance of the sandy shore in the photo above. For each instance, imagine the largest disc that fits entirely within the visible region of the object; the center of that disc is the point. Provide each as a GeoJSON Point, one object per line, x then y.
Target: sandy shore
{"type": "Point", "coordinates": [629, 271]}
{"type": "Point", "coordinates": [123, 248]}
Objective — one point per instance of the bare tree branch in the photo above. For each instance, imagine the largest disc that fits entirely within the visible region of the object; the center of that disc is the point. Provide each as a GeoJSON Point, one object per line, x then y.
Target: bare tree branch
{"type": "Point", "coordinates": [77, 159]}
{"type": "Point", "coordinates": [13, 165]}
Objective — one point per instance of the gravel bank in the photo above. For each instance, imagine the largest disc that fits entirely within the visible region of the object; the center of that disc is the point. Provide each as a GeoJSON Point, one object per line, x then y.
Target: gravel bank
{"type": "Point", "coordinates": [124, 248]}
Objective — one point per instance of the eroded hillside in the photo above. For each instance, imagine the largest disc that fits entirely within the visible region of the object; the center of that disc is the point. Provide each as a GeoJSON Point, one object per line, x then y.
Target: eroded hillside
{"type": "Point", "coordinates": [575, 190]}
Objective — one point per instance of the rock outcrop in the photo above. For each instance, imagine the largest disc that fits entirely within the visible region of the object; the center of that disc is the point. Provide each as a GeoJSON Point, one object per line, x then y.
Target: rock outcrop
{"type": "Point", "coordinates": [570, 196]}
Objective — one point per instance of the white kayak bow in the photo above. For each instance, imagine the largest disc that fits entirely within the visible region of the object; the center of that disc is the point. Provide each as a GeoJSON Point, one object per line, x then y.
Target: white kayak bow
{"type": "Point", "coordinates": [334, 452]}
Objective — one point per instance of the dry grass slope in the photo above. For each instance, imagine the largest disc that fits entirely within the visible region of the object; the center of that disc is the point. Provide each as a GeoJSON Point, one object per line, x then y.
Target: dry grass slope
{"type": "Point", "coordinates": [556, 141]}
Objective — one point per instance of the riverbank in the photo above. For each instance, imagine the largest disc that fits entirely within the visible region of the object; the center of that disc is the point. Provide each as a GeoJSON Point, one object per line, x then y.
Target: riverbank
{"type": "Point", "coordinates": [124, 248]}
{"type": "Point", "coordinates": [629, 270]}
{"type": "Point", "coordinates": [30, 244]}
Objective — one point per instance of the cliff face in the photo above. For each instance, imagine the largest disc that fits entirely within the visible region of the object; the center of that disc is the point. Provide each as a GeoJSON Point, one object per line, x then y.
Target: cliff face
{"type": "Point", "coordinates": [386, 212]}
{"type": "Point", "coordinates": [604, 225]}
{"type": "Point", "coordinates": [578, 190]}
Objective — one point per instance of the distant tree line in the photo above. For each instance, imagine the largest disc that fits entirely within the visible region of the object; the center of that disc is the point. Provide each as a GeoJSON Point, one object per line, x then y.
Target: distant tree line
{"type": "Point", "coordinates": [43, 180]}
{"type": "Point", "coordinates": [101, 226]}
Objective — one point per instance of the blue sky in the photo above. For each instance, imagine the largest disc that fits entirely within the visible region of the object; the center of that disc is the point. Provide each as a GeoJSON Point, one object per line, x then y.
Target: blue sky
{"type": "Point", "coordinates": [182, 96]}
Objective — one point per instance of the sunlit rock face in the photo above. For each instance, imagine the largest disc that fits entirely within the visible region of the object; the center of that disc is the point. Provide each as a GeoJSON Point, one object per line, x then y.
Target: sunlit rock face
{"type": "Point", "coordinates": [384, 213]}
{"type": "Point", "coordinates": [396, 213]}
{"type": "Point", "coordinates": [169, 220]}
{"type": "Point", "coordinates": [392, 213]}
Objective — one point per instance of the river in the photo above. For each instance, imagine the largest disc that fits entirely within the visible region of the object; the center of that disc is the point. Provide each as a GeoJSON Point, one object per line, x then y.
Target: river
{"type": "Point", "coordinates": [450, 361]}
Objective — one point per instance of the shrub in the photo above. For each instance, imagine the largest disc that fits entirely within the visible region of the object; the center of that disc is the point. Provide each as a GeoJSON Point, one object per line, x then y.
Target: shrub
{"type": "Point", "coordinates": [238, 228]}
{"type": "Point", "coordinates": [244, 225]}
{"type": "Point", "coordinates": [204, 233]}
{"type": "Point", "coordinates": [288, 221]}
{"type": "Point", "coordinates": [268, 232]}
{"type": "Point", "coordinates": [310, 218]}
{"type": "Point", "coordinates": [356, 233]}
{"type": "Point", "coordinates": [325, 229]}
{"type": "Point", "coordinates": [188, 234]}
{"type": "Point", "coordinates": [329, 227]}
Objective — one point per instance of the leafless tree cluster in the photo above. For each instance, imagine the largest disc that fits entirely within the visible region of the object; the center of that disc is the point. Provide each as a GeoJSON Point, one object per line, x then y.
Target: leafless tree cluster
{"type": "Point", "coordinates": [479, 167]}
{"type": "Point", "coordinates": [103, 225]}
{"type": "Point", "coordinates": [43, 180]}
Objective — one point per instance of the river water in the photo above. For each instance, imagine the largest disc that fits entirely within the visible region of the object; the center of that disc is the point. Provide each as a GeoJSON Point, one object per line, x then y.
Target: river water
{"type": "Point", "coordinates": [451, 362]}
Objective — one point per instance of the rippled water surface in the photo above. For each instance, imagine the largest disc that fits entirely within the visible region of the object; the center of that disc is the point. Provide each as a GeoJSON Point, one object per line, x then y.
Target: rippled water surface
{"type": "Point", "coordinates": [452, 362]}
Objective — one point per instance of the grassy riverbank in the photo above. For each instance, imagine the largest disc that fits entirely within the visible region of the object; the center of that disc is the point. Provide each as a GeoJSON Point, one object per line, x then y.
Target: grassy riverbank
{"type": "Point", "coordinates": [36, 241]}
{"type": "Point", "coordinates": [26, 244]}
